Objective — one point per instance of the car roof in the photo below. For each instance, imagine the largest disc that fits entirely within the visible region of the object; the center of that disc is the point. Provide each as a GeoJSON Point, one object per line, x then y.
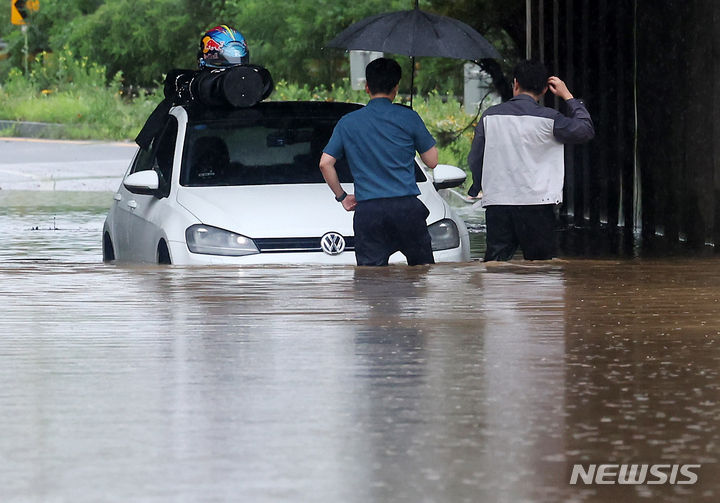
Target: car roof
{"type": "Point", "coordinates": [200, 113]}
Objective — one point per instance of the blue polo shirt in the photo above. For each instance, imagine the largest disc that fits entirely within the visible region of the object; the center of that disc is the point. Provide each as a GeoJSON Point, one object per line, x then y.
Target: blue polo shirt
{"type": "Point", "coordinates": [379, 142]}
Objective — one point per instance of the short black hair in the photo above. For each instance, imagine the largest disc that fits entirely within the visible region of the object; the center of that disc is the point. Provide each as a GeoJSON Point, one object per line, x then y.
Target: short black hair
{"type": "Point", "coordinates": [531, 75]}
{"type": "Point", "coordinates": [382, 75]}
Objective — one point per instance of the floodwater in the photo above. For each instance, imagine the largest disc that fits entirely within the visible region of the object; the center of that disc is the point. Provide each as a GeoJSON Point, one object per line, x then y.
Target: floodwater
{"type": "Point", "coordinates": [448, 383]}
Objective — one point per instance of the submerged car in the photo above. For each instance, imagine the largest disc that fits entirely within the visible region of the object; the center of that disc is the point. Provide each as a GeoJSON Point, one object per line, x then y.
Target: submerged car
{"type": "Point", "coordinates": [242, 186]}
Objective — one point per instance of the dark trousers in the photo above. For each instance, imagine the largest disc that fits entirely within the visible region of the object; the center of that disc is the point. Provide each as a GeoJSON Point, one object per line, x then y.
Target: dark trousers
{"type": "Point", "coordinates": [384, 226]}
{"type": "Point", "coordinates": [531, 227]}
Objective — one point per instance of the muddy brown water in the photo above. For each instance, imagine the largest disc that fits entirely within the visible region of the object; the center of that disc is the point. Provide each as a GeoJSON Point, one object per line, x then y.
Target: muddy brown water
{"type": "Point", "coordinates": [464, 382]}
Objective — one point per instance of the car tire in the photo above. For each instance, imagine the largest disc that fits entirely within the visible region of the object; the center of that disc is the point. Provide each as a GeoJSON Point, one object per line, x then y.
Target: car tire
{"type": "Point", "coordinates": [108, 249]}
{"type": "Point", "coordinates": [163, 253]}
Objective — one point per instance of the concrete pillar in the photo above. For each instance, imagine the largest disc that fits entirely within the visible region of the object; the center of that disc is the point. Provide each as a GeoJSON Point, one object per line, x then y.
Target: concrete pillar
{"type": "Point", "coordinates": [358, 61]}
{"type": "Point", "coordinates": [477, 85]}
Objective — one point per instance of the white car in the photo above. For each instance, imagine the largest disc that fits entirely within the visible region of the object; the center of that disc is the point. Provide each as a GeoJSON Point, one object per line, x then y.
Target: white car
{"type": "Point", "coordinates": [242, 186]}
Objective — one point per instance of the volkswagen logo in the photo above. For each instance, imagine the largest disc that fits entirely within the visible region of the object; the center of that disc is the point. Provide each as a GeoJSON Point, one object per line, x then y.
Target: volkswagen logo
{"type": "Point", "coordinates": [332, 243]}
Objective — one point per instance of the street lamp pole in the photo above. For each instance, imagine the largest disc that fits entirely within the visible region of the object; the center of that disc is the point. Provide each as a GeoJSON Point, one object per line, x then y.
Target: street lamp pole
{"type": "Point", "coordinates": [528, 29]}
{"type": "Point", "coordinates": [24, 29]}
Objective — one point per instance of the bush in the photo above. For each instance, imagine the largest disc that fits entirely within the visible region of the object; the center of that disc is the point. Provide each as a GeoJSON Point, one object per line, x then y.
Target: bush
{"type": "Point", "coordinates": [72, 92]}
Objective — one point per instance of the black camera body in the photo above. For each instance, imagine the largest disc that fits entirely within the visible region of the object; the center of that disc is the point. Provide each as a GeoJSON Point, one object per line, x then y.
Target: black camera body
{"type": "Point", "coordinates": [239, 86]}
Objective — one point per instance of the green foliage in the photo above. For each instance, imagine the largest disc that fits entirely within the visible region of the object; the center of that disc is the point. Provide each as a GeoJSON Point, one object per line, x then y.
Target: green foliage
{"type": "Point", "coordinates": [62, 89]}
{"type": "Point", "coordinates": [64, 69]}
{"type": "Point", "coordinates": [140, 38]}
{"type": "Point", "coordinates": [294, 92]}
{"type": "Point", "coordinates": [452, 128]}
{"type": "Point", "coordinates": [289, 38]}
{"type": "Point", "coordinates": [144, 39]}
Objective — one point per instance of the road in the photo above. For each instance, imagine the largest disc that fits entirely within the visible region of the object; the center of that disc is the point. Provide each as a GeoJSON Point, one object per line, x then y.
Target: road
{"type": "Point", "coordinates": [33, 164]}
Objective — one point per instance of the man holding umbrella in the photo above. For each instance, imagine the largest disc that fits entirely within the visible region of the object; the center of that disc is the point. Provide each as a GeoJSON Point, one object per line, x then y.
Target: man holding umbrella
{"type": "Point", "coordinates": [379, 142]}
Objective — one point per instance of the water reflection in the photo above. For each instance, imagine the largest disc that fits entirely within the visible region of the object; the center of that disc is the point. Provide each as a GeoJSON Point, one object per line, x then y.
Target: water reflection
{"type": "Point", "coordinates": [453, 383]}
{"type": "Point", "coordinates": [642, 367]}
{"type": "Point", "coordinates": [57, 226]}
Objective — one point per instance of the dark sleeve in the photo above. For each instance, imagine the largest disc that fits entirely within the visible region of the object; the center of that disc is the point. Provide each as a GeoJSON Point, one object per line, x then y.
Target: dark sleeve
{"type": "Point", "coordinates": [577, 126]}
{"type": "Point", "coordinates": [475, 159]}
{"type": "Point", "coordinates": [154, 124]}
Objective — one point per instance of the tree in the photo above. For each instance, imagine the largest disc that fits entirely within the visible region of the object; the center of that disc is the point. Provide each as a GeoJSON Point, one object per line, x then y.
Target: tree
{"type": "Point", "coordinates": [144, 39]}
{"type": "Point", "coordinates": [289, 37]}
{"type": "Point", "coordinates": [140, 38]}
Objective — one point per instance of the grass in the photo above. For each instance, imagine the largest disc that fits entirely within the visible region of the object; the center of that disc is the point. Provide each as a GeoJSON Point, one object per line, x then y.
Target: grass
{"type": "Point", "coordinates": [63, 90]}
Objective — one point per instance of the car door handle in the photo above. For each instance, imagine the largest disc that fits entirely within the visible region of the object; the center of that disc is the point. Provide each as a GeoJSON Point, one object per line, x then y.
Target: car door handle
{"type": "Point", "coordinates": [132, 204]}
{"type": "Point", "coordinates": [118, 197]}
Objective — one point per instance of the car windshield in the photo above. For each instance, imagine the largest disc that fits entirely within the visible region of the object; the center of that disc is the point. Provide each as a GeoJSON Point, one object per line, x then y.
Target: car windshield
{"type": "Point", "coordinates": [259, 151]}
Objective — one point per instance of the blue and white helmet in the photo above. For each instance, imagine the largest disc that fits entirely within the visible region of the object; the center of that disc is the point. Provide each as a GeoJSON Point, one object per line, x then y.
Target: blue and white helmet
{"type": "Point", "coordinates": [223, 47]}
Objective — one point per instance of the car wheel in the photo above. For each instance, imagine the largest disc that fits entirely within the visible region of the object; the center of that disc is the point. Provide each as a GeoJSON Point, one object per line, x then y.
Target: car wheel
{"type": "Point", "coordinates": [163, 253]}
{"type": "Point", "coordinates": [108, 250]}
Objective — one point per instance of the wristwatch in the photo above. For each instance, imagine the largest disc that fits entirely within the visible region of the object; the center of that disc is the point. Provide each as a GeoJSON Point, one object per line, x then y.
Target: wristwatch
{"type": "Point", "coordinates": [341, 197]}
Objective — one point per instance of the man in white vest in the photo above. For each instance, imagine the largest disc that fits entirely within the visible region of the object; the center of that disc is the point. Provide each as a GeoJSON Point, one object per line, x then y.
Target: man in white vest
{"type": "Point", "coordinates": [517, 159]}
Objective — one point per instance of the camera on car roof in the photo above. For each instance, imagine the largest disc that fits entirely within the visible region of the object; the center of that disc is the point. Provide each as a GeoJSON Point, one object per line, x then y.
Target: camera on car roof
{"type": "Point", "coordinates": [238, 86]}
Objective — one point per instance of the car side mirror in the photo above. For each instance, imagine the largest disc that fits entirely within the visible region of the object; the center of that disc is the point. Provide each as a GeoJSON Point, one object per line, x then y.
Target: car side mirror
{"type": "Point", "coordinates": [446, 176]}
{"type": "Point", "coordinates": [143, 182]}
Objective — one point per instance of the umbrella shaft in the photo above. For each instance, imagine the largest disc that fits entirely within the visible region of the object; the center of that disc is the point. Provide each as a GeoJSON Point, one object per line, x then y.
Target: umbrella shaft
{"type": "Point", "coordinates": [412, 78]}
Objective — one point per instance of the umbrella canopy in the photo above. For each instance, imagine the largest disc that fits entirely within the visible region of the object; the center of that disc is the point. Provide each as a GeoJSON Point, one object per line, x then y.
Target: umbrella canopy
{"type": "Point", "coordinates": [416, 33]}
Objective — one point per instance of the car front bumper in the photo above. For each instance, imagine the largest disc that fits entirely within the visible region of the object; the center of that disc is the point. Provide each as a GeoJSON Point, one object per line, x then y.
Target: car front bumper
{"type": "Point", "coordinates": [180, 255]}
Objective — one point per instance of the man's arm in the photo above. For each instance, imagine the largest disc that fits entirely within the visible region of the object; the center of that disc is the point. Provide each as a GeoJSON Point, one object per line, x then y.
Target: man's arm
{"type": "Point", "coordinates": [424, 142]}
{"type": "Point", "coordinates": [475, 159]}
{"type": "Point", "coordinates": [329, 173]}
{"type": "Point", "coordinates": [430, 157]}
{"type": "Point", "coordinates": [578, 126]}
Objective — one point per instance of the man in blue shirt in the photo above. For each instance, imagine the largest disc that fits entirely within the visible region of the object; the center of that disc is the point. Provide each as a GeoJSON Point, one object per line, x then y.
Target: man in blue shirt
{"type": "Point", "coordinates": [379, 142]}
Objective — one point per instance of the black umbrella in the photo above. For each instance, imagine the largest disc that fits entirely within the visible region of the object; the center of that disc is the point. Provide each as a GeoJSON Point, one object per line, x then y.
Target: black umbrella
{"type": "Point", "coordinates": [416, 33]}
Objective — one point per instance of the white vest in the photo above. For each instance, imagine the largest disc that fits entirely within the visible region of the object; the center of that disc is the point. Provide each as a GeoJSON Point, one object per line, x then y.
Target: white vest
{"type": "Point", "coordinates": [523, 163]}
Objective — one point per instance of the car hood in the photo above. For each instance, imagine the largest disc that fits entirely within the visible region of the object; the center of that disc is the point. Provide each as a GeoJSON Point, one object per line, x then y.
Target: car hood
{"type": "Point", "coordinates": [270, 211]}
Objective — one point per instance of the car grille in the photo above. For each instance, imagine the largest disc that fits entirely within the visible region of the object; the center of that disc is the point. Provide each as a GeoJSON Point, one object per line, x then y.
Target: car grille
{"type": "Point", "coordinates": [296, 245]}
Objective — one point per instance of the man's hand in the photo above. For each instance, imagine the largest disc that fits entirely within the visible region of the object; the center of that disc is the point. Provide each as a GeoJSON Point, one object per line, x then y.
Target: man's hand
{"type": "Point", "coordinates": [349, 202]}
{"type": "Point", "coordinates": [558, 88]}
{"type": "Point", "coordinates": [329, 173]}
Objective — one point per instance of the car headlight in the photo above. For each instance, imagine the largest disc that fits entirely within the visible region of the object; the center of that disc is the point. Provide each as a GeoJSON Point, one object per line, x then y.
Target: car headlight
{"type": "Point", "coordinates": [444, 235]}
{"type": "Point", "coordinates": [213, 241]}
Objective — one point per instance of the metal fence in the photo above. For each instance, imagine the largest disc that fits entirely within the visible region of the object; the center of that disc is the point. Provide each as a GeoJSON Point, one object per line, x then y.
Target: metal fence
{"type": "Point", "coordinates": [646, 71]}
